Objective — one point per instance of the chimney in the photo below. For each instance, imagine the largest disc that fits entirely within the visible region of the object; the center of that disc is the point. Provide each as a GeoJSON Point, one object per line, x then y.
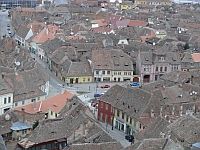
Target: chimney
{"type": "Point", "coordinates": [23, 115]}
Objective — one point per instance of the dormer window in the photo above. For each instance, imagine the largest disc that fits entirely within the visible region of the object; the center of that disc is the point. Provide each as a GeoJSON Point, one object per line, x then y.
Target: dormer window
{"type": "Point", "coordinates": [162, 58]}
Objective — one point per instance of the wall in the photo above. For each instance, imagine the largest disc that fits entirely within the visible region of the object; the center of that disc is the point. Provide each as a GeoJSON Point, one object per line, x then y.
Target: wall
{"type": "Point", "coordinates": [28, 101]}
{"type": "Point", "coordinates": [7, 105]}
{"type": "Point", "coordinates": [83, 79]}
{"type": "Point", "coordinates": [105, 112]}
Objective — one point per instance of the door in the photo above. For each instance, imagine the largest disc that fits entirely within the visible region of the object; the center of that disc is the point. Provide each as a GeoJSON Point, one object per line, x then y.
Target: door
{"type": "Point", "coordinates": [76, 80]}
{"type": "Point", "coordinates": [71, 81]}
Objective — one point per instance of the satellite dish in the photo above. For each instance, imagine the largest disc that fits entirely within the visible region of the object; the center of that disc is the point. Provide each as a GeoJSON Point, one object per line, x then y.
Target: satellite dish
{"type": "Point", "coordinates": [17, 63]}
{"type": "Point", "coordinates": [7, 117]}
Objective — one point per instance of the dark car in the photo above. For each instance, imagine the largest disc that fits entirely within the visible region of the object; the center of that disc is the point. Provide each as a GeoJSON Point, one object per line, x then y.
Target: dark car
{"type": "Point", "coordinates": [97, 95]}
{"type": "Point", "coordinates": [130, 138]}
{"type": "Point", "coordinates": [8, 25]}
{"type": "Point", "coordinates": [105, 86]}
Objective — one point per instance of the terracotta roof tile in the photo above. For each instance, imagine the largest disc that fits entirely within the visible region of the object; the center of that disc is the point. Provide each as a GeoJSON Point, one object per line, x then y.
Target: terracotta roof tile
{"type": "Point", "coordinates": [55, 104]}
{"type": "Point", "coordinates": [196, 57]}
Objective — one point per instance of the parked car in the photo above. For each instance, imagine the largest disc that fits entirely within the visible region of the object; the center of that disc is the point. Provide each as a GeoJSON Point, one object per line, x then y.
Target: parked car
{"type": "Point", "coordinates": [105, 86]}
{"type": "Point", "coordinates": [130, 138]}
{"type": "Point", "coordinates": [135, 84]}
{"type": "Point", "coordinates": [96, 95]}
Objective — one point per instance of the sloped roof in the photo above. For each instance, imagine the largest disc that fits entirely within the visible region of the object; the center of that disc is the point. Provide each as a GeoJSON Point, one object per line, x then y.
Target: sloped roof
{"type": "Point", "coordinates": [55, 104]}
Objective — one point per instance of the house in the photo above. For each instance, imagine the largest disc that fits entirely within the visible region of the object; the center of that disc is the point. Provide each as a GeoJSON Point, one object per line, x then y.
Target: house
{"type": "Point", "coordinates": [128, 109]}
{"type": "Point", "coordinates": [48, 48]}
{"type": "Point", "coordinates": [20, 130]}
{"type": "Point", "coordinates": [51, 107]}
{"type": "Point", "coordinates": [156, 144]}
{"type": "Point", "coordinates": [47, 33]}
{"type": "Point", "coordinates": [92, 146]}
{"type": "Point", "coordinates": [29, 86]}
{"type": "Point", "coordinates": [155, 129]}
{"type": "Point", "coordinates": [111, 65]}
{"type": "Point", "coordinates": [76, 124]}
{"type": "Point", "coordinates": [17, 124]}
{"type": "Point", "coordinates": [153, 3]}
{"type": "Point", "coordinates": [22, 34]}
{"type": "Point", "coordinates": [184, 130]}
{"type": "Point", "coordinates": [153, 64]}
{"type": "Point", "coordinates": [79, 72]}
{"type": "Point", "coordinates": [6, 97]}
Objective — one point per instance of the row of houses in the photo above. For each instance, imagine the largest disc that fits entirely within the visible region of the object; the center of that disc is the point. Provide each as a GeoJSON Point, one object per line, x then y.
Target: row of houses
{"type": "Point", "coordinates": [131, 109]}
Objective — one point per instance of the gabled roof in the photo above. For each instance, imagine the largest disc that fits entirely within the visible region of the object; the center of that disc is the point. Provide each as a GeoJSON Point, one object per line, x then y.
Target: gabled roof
{"type": "Point", "coordinates": [96, 146]}
{"type": "Point", "coordinates": [133, 101]}
{"type": "Point", "coordinates": [66, 125]}
{"type": "Point", "coordinates": [54, 103]}
{"type": "Point", "coordinates": [186, 129]}
{"type": "Point", "coordinates": [111, 59]}
{"type": "Point", "coordinates": [79, 69]}
{"type": "Point", "coordinates": [22, 31]}
{"type": "Point", "coordinates": [48, 33]}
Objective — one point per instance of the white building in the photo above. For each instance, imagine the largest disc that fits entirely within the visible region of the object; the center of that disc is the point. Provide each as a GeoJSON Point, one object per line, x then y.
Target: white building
{"type": "Point", "coordinates": [6, 97]}
{"type": "Point", "coordinates": [112, 65]}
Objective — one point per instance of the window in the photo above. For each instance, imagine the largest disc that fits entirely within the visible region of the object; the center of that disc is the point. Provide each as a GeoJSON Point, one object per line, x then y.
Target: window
{"type": "Point", "coordinates": [83, 79]}
{"type": "Point", "coordinates": [117, 113]}
{"type": "Point", "coordinates": [119, 73]}
{"type": "Point", "coordinates": [9, 99]}
{"type": "Point", "coordinates": [129, 73]}
{"type": "Point", "coordinates": [130, 120]}
{"type": "Point", "coordinates": [156, 68]}
{"type": "Point", "coordinates": [140, 126]}
{"type": "Point", "coordinates": [126, 118]}
{"type": "Point", "coordinates": [38, 98]}
{"type": "Point", "coordinates": [108, 72]}
{"type": "Point", "coordinates": [5, 100]}
{"type": "Point", "coordinates": [147, 68]}
{"type": "Point", "coordinates": [16, 104]}
{"type": "Point", "coordinates": [156, 77]}
{"type": "Point", "coordinates": [106, 105]}
{"type": "Point", "coordinates": [33, 100]}
{"type": "Point", "coordinates": [174, 67]}
{"type": "Point", "coordinates": [125, 73]}
{"type": "Point", "coordinates": [165, 68]}
{"type": "Point", "coordinates": [115, 73]}
{"type": "Point", "coordinates": [162, 58]}
{"type": "Point", "coordinates": [103, 72]}
{"type": "Point", "coordinates": [122, 115]}
{"type": "Point", "coordinates": [51, 112]}
{"type": "Point", "coordinates": [161, 69]}
{"type": "Point", "coordinates": [56, 115]}
{"type": "Point", "coordinates": [88, 79]}
{"type": "Point", "coordinates": [22, 102]}
{"type": "Point", "coordinates": [97, 72]}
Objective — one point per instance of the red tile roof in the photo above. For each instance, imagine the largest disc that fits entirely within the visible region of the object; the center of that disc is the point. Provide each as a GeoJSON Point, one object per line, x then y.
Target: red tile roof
{"type": "Point", "coordinates": [196, 57]}
{"type": "Point", "coordinates": [137, 23]}
{"type": "Point", "coordinates": [55, 104]}
{"type": "Point", "coordinates": [48, 33]}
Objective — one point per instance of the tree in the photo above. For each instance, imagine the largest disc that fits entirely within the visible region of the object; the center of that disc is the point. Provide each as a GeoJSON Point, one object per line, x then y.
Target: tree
{"type": "Point", "coordinates": [186, 46]}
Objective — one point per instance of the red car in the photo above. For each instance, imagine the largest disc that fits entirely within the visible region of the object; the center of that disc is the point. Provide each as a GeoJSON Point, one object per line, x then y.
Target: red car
{"type": "Point", "coordinates": [105, 86]}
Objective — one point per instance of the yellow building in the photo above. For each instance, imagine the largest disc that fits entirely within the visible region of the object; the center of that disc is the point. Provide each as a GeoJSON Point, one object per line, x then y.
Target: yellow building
{"type": "Point", "coordinates": [79, 72]}
{"type": "Point", "coordinates": [125, 123]}
{"type": "Point", "coordinates": [79, 79]}
{"type": "Point", "coordinates": [125, 7]}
